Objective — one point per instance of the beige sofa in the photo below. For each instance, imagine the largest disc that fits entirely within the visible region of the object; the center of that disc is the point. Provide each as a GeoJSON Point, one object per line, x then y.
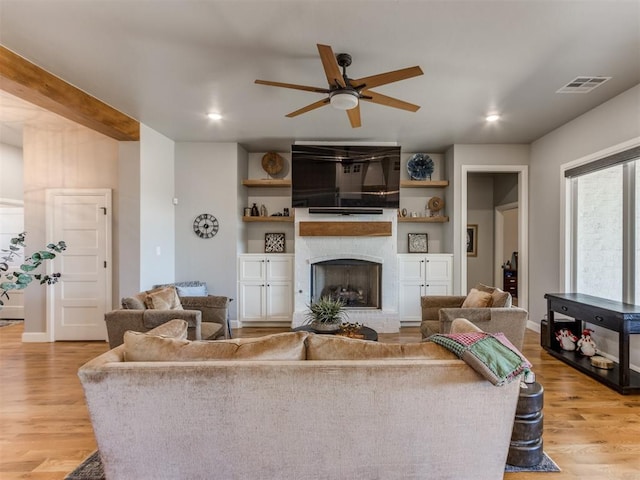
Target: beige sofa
{"type": "Point", "coordinates": [294, 406]}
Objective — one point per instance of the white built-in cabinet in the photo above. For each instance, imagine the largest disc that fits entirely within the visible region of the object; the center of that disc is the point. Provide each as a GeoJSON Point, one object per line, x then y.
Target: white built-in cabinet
{"type": "Point", "coordinates": [419, 275]}
{"type": "Point", "coordinates": [265, 289]}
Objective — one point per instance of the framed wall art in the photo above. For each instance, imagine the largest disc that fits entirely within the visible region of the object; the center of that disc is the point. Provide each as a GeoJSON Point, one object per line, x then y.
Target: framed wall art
{"type": "Point", "coordinates": [274, 242]}
{"type": "Point", "coordinates": [472, 240]}
{"type": "Point", "coordinates": [418, 243]}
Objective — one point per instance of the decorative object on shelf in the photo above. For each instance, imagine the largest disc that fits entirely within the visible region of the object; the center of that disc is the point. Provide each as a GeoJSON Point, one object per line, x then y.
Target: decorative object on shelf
{"type": "Point", "coordinates": [247, 211]}
{"type": "Point", "coordinates": [286, 212]}
{"type": "Point", "coordinates": [566, 339]}
{"type": "Point", "coordinates": [205, 225]}
{"type": "Point", "coordinates": [272, 163]}
{"type": "Point", "coordinates": [418, 243]}
{"type": "Point", "coordinates": [404, 212]}
{"type": "Point", "coordinates": [274, 243]}
{"type": "Point", "coordinates": [586, 346]}
{"type": "Point", "coordinates": [472, 240]}
{"type": "Point", "coordinates": [254, 211]}
{"type": "Point", "coordinates": [326, 314]}
{"type": "Point", "coordinates": [435, 204]}
{"type": "Point", "coordinates": [601, 362]}
{"type": "Point", "coordinates": [263, 210]}
{"type": "Point", "coordinates": [420, 166]}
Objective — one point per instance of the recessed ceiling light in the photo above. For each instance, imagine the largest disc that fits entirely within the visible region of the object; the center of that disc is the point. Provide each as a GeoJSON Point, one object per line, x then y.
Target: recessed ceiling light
{"type": "Point", "coordinates": [214, 116]}
{"type": "Point", "coordinates": [494, 117]}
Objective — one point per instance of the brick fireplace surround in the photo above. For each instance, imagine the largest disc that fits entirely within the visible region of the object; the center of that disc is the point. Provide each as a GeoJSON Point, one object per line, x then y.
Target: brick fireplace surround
{"type": "Point", "coordinates": [361, 245]}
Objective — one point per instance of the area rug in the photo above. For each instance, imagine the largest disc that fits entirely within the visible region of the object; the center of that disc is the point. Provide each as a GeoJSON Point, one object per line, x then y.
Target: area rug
{"type": "Point", "coordinates": [91, 468]}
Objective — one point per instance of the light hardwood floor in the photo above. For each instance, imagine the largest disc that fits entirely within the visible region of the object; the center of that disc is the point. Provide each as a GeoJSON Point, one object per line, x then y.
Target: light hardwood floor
{"type": "Point", "coordinates": [591, 431]}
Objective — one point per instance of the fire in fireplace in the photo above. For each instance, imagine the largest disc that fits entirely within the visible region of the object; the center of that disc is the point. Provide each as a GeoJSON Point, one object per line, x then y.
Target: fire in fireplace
{"type": "Point", "coordinates": [356, 282]}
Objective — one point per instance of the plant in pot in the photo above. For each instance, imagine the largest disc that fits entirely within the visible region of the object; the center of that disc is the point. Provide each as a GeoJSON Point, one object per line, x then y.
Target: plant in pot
{"type": "Point", "coordinates": [326, 314]}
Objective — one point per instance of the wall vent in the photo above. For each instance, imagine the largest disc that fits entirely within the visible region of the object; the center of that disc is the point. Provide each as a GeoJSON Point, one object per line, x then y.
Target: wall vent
{"type": "Point", "coordinates": [583, 84]}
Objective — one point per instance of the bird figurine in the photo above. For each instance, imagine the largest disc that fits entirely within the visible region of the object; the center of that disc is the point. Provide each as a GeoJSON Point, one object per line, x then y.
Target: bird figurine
{"type": "Point", "coordinates": [566, 339]}
{"type": "Point", "coordinates": [586, 345]}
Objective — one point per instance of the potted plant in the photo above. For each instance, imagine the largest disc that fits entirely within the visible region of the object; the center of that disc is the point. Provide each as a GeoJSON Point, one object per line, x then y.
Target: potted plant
{"type": "Point", "coordinates": [326, 314]}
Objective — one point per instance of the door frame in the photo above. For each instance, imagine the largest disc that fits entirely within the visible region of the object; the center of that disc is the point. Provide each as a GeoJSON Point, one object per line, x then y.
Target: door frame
{"type": "Point", "coordinates": [523, 225]}
{"type": "Point", "coordinates": [49, 203]}
{"type": "Point", "coordinates": [498, 238]}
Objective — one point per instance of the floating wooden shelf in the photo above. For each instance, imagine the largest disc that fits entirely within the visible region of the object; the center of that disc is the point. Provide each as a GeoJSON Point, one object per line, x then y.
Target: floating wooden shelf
{"type": "Point", "coordinates": [345, 229]}
{"type": "Point", "coordinates": [424, 183]}
{"type": "Point", "coordinates": [268, 219]}
{"type": "Point", "coordinates": [267, 182]}
{"type": "Point", "coordinates": [423, 219]}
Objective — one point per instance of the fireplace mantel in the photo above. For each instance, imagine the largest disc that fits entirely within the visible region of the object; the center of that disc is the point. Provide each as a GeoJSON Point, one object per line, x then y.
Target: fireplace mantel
{"type": "Point", "coordinates": [346, 229]}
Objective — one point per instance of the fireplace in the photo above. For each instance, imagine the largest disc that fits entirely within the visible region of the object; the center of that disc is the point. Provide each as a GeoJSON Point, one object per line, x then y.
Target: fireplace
{"type": "Point", "coordinates": [356, 282]}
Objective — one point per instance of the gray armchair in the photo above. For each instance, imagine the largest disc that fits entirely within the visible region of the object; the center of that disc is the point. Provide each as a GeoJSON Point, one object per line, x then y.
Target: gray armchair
{"type": "Point", "coordinates": [439, 311]}
{"type": "Point", "coordinates": [207, 318]}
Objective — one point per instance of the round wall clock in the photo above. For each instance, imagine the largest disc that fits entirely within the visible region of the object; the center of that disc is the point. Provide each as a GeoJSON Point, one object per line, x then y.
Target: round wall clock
{"type": "Point", "coordinates": [205, 225]}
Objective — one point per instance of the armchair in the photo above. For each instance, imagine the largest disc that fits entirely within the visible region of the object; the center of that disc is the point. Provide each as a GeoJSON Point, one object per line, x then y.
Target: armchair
{"type": "Point", "coordinates": [206, 316]}
{"type": "Point", "coordinates": [438, 311]}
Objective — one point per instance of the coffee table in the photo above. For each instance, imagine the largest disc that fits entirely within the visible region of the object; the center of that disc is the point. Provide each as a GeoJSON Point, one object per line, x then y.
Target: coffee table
{"type": "Point", "coordinates": [369, 333]}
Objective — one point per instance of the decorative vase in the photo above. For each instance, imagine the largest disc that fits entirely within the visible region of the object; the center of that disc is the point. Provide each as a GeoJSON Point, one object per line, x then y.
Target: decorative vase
{"type": "Point", "coordinates": [325, 327]}
{"type": "Point", "coordinates": [254, 211]}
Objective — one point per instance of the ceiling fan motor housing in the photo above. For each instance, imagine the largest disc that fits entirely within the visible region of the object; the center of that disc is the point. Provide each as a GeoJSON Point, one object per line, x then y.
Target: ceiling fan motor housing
{"type": "Point", "coordinates": [344, 98]}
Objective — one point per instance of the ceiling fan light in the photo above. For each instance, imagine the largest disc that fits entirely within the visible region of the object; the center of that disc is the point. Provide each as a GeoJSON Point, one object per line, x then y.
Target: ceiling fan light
{"type": "Point", "coordinates": [344, 100]}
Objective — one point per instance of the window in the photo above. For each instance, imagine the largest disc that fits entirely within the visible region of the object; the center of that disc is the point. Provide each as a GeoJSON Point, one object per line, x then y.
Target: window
{"type": "Point", "coordinates": [605, 226]}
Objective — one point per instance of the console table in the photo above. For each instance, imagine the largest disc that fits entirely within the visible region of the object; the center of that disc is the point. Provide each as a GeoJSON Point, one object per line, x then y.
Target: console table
{"type": "Point", "coordinates": [616, 316]}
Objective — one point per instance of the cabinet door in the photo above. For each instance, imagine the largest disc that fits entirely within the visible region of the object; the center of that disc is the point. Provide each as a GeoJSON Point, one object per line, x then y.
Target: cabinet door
{"type": "Point", "coordinates": [438, 269]}
{"type": "Point", "coordinates": [252, 268]}
{"type": "Point", "coordinates": [252, 302]}
{"type": "Point", "coordinates": [409, 297]}
{"type": "Point", "coordinates": [279, 268]}
{"type": "Point", "coordinates": [411, 268]}
{"type": "Point", "coordinates": [279, 301]}
{"type": "Point", "coordinates": [437, 288]}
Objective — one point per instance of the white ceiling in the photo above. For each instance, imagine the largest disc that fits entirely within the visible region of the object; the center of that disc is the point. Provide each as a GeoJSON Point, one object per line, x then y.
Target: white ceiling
{"type": "Point", "coordinates": [168, 62]}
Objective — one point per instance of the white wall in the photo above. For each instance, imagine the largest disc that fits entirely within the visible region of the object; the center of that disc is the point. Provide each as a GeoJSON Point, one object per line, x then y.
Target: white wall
{"type": "Point", "coordinates": [607, 125]}
{"type": "Point", "coordinates": [11, 173]}
{"type": "Point", "coordinates": [207, 181]}
{"type": "Point", "coordinates": [65, 155]}
{"type": "Point", "coordinates": [157, 216]}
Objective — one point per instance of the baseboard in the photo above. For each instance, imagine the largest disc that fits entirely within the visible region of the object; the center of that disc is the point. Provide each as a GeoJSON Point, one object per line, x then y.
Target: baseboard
{"type": "Point", "coordinates": [35, 337]}
{"type": "Point", "coordinates": [535, 326]}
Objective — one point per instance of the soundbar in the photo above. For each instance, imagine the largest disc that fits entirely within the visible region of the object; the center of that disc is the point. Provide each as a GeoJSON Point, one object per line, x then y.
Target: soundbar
{"type": "Point", "coordinates": [346, 211]}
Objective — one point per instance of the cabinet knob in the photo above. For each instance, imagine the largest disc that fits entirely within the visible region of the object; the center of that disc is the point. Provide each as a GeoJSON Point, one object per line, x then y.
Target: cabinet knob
{"type": "Point", "coordinates": [599, 318]}
{"type": "Point", "coordinates": [564, 309]}
{"type": "Point", "coordinates": [268, 284]}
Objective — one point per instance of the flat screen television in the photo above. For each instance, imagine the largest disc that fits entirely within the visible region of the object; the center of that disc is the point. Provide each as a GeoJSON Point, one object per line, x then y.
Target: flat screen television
{"type": "Point", "coordinates": [345, 176]}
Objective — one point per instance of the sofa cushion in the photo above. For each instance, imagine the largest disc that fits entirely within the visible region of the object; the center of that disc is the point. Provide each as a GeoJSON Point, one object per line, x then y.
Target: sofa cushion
{"type": "Point", "coordinates": [175, 328]}
{"type": "Point", "coordinates": [500, 297]}
{"type": "Point", "coordinates": [165, 298]}
{"type": "Point", "coordinates": [193, 288]}
{"type": "Point", "coordinates": [477, 299]}
{"type": "Point", "coordinates": [134, 303]}
{"type": "Point", "coordinates": [333, 347]}
{"type": "Point", "coordinates": [142, 347]}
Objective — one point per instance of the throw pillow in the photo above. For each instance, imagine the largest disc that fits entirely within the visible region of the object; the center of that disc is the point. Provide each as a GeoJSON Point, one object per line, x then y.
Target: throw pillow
{"type": "Point", "coordinates": [142, 347]}
{"type": "Point", "coordinates": [330, 347]}
{"type": "Point", "coordinates": [477, 299]}
{"type": "Point", "coordinates": [163, 299]}
{"type": "Point", "coordinates": [134, 303]}
{"type": "Point", "coordinates": [175, 328]}
{"type": "Point", "coordinates": [501, 298]}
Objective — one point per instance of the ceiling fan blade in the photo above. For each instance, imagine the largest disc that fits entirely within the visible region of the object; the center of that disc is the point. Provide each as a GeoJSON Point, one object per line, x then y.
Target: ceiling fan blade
{"type": "Point", "coordinates": [354, 116]}
{"type": "Point", "coordinates": [388, 101]}
{"type": "Point", "coordinates": [308, 108]}
{"type": "Point", "coordinates": [291, 85]}
{"type": "Point", "coordinates": [331, 67]}
{"type": "Point", "coordinates": [388, 77]}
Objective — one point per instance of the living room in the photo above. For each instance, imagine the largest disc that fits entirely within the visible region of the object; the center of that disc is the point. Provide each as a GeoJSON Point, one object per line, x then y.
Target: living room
{"type": "Point", "coordinates": [153, 239]}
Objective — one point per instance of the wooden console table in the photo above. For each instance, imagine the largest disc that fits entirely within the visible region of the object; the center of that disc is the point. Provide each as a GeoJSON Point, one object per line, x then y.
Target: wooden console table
{"type": "Point", "coordinates": [616, 316]}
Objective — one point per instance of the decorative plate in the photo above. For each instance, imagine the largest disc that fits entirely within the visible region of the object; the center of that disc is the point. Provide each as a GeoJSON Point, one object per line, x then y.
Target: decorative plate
{"type": "Point", "coordinates": [435, 204]}
{"type": "Point", "coordinates": [272, 163]}
{"type": "Point", "coordinates": [420, 166]}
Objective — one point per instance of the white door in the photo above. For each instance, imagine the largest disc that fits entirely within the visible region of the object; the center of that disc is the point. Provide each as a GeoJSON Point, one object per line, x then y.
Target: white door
{"type": "Point", "coordinates": [78, 302]}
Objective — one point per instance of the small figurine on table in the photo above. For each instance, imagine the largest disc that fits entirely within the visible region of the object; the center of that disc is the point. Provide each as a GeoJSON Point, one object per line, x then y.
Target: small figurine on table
{"type": "Point", "coordinates": [586, 345]}
{"type": "Point", "coordinates": [566, 339]}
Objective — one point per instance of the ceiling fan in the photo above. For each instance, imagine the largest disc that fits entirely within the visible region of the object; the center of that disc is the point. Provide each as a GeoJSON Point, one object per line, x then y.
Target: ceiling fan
{"type": "Point", "coordinates": [345, 93]}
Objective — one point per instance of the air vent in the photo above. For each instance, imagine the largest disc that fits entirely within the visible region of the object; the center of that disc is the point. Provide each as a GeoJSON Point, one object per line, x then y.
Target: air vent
{"type": "Point", "coordinates": [583, 84]}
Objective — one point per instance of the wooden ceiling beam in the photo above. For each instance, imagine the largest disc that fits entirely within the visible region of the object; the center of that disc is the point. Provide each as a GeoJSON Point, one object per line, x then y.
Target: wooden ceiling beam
{"type": "Point", "coordinates": [29, 82]}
